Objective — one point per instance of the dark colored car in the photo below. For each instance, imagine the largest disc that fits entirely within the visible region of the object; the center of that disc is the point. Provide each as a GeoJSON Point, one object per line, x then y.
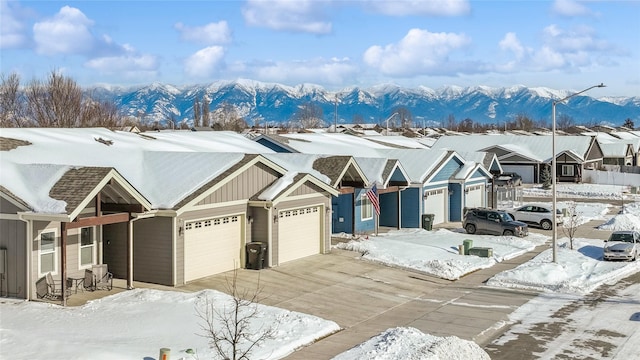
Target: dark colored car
{"type": "Point", "coordinates": [494, 222]}
{"type": "Point", "coordinates": [508, 179]}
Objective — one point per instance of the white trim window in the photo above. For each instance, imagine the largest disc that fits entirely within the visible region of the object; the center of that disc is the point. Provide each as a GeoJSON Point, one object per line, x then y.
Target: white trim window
{"type": "Point", "coordinates": [87, 247]}
{"type": "Point", "coordinates": [366, 208]}
{"type": "Point", "coordinates": [47, 252]}
{"type": "Point", "coordinates": [567, 170]}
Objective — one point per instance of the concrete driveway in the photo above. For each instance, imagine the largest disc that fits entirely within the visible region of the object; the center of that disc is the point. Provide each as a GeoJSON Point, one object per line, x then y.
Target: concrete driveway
{"type": "Point", "coordinates": [366, 298]}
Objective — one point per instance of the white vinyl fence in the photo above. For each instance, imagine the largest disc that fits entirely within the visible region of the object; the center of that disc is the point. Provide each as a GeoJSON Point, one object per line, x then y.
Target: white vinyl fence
{"type": "Point", "coordinates": [610, 178]}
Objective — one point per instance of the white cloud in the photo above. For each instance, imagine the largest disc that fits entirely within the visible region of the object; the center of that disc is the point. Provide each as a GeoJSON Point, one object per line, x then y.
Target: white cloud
{"type": "Point", "coordinates": [204, 62]}
{"type": "Point", "coordinates": [289, 15]}
{"type": "Point", "coordinates": [420, 52]}
{"type": "Point", "coordinates": [570, 8]}
{"type": "Point", "coordinates": [318, 71]}
{"type": "Point", "coordinates": [66, 33]}
{"type": "Point", "coordinates": [560, 49]}
{"type": "Point", "coordinates": [212, 33]}
{"type": "Point", "coordinates": [12, 30]}
{"type": "Point", "coordinates": [510, 42]}
{"type": "Point", "coordinates": [118, 64]}
{"type": "Point", "coordinates": [421, 7]}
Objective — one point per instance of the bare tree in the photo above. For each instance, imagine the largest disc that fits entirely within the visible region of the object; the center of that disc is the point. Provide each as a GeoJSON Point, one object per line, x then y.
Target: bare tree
{"type": "Point", "coordinates": [571, 223]}
{"type": "Point", "coordinates": [358, 119]}
{"type": "Point", "coordinates": [232, 329]}
{"type": "Point", "coordinates": [196, 112]}
{"type": "Point", "coordinates": [11, 109]}
{"type": "Point", "coordinates": [309, 116]}
{"type": "Point", "coordinates": [564, 122]}
{"type": "Point", "coordinates": [56, 103]}
{"type": "Point", "coordinates": [404, 117]}
{"type": "Point", "coordinates": [206, 116]}
{"type": "Point", "coordinates": [227, 117]}
{"type": "Point", "coordinates": [451, 122]}
{"type": "Point", "coordinates": [523, 122]}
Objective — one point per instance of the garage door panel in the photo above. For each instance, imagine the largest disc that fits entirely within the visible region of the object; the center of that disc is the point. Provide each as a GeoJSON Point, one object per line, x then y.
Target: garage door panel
{"type": "Point", "coordinates": [436, 204]}
{"type": "Point", "coordinates": [523, 170]}
{"type": "Point", "coordinates": [299, 233]}
{"type": "Point", "coordinates": [474, 197]}
{"type": "Point", "coordinates": [212, 246]}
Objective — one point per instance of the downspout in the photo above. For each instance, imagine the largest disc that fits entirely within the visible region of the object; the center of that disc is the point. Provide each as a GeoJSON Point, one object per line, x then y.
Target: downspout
{"type": "Point", "coordinates": [29, 239]}
{"type": "Point", "coordinates": [270, 220]}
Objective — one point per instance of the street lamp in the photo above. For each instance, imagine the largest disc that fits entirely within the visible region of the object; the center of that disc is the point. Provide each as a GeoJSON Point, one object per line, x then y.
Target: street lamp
{"type": "Point", "coordinates": [554, 238]}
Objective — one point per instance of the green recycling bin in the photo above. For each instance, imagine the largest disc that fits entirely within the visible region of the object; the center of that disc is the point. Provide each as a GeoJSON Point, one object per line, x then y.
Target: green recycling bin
{"type": "Point", "coordinates": [468, 244]}
{"type": "Point", "coordinates": [427, 221]}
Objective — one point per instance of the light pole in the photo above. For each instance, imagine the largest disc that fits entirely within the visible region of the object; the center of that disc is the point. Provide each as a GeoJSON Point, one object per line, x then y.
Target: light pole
{"type": "Point", "coordinates": [554, 238]}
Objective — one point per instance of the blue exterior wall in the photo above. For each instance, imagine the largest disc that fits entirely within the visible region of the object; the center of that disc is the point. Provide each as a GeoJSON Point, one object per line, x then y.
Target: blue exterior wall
{"type": "Point", "coordinates": [342, 215]}
{"type": "Point", "coordinates": [389, 209]}
{"type": "Point", "coordinates": [362, 226]}
{"type": "Point", "coordinates": [455, 202]}
{"type": "Point", "coordinates": [447, 170]}
{"type": "Point", "coordinates": [410, 205]}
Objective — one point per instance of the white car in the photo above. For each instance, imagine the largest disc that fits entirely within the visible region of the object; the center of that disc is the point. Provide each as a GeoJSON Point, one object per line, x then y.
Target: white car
{"type": "Point", "coordinates": [536, 214]}
{"type": "Point", "coordinates": [622, 245]}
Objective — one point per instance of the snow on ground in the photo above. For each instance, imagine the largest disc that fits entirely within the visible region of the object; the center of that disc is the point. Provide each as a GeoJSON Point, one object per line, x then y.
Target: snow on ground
{"type": "Point", "coordinates": [136, 324]}
{"type": "Point", "coordinates": [436, 252]}
{"type": "Point", "coordinates": [591, 191]}
{"type": "Point", "coordinates": [411, 343]}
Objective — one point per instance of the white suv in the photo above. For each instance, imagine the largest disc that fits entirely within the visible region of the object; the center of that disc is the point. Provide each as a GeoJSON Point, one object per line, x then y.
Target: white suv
{"type": "Point", "coordinates": [536, 214]}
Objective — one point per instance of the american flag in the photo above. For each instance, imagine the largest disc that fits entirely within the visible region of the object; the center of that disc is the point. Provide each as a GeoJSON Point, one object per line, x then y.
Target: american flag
{"type": "Point", "coordinates": [372, 194]}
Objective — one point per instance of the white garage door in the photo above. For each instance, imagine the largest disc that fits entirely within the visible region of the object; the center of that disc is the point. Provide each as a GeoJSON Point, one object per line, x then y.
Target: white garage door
{"type": "Point", "coordinates": [436, 203]}
{"type": "Point", "coordinates": [212, 246]}
{"type": "Point", "coordinates": [523, 170]}
{"type": "Point", "coordinates": [299, 233]}
{"type": "Point", "coordinates": [473, 198]}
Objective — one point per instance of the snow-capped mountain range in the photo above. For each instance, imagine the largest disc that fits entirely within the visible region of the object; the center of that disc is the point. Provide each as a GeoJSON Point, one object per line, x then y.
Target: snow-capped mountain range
{"type": "Point", "coordinates": [258, 102]}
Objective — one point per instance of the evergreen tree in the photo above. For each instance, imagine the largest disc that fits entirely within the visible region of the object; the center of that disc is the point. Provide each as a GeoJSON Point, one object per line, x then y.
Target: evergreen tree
{"type": "Point", "coordinates": [546, 178]}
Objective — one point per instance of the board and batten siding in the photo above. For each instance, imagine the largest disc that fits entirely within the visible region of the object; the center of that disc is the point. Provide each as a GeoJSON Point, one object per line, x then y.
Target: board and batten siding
{"type": "Point", "coordinates": [12, 238]}
{"type": "Point", "coordinates": [153, 250]}
{"type": "Point", "coordinates": [323, 201]}
{"type": "Point", "coordinates": [115, 238]}
{"type": "Point", "coordinates": [243, 186]}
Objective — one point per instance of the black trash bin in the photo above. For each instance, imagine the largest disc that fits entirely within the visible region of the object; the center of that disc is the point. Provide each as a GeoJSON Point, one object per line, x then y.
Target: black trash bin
{"type": "Point", "coordinates": [427, 221]}
{"type": "Point", "coordinates": [255, 255]}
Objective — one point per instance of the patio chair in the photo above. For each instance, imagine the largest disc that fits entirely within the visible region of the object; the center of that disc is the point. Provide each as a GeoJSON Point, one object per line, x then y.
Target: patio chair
{"type": "Point", "coordinates": [48, 288]}
{"type": "Point", "coordinates": [89, 282]}
{"type": "Point", "coordinates": [103, 278]}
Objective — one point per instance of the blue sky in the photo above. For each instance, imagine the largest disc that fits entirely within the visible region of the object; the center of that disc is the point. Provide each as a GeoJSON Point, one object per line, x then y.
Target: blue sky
{"type": "Point", "coordinates": [561, 44]}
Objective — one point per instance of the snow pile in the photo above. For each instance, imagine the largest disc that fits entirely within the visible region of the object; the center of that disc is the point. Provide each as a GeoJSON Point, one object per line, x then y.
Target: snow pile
{"type": "Point", "coordinates": [625, 221]}
{"type": "Point", "coordinates": [436, 252]}
{"type": "Point", "coordinates": [577, 271]}
{"type": "Point", "coordinates": [410, 343]}
{"type": "Point", "coordinates": [136, 324]}
{"type": "Point", "coordinates": [592, 191]}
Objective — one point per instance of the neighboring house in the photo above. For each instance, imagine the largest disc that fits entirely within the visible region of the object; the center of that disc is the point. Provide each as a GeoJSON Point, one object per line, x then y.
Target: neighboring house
{"type": "Point", "coordinates": [529, 155]}
{"type": "Point", "coordinates": [165, 217]}
{"type": "Point", "coordinates": [342, 173]}
{"type": "Point", "coordinates": [53, 217]}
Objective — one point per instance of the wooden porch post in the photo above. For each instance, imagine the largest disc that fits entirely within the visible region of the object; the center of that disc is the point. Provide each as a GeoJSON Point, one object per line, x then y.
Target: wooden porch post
{"type": "Point", "coordinates": [63, 261]}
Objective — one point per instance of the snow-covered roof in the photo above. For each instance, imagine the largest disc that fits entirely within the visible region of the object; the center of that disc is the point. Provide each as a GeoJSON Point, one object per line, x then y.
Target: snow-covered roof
{"type": "Point", "coordinates": [164, 167]}
{"type": "Point", "coordinates": [535, 147]}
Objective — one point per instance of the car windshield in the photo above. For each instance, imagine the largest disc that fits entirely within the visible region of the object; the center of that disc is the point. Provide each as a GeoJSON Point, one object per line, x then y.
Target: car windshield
{"type": "Point", "coordinates": [505, 217]}
{"type": "Point", "coordinates": [622, 237]}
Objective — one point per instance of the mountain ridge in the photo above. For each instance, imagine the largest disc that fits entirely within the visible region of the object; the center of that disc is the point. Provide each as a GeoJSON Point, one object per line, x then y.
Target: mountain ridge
{"type": "Point", "coordinates": [276, 103]}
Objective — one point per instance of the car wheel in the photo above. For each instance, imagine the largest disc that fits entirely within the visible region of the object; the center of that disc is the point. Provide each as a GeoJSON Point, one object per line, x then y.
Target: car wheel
{"type": "Point", "coordinates": [508, 233]}
{"type": "Point", "coordinates": [470, 228]}
{"type": "Point", "coordinates": [546, 224]}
